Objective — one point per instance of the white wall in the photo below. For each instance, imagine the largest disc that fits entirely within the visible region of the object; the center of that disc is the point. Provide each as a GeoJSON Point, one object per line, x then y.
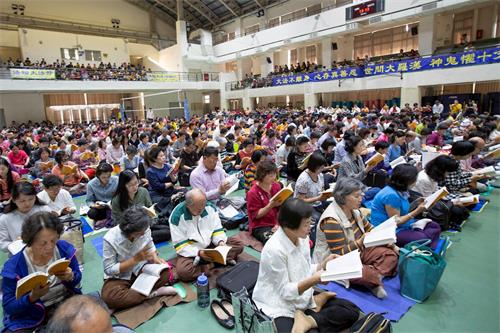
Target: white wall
{"type": "Point", "coordinates": [9, 38]}
{"type": "Point", "coordinates": [143, 50]}
{"type": "Point", "coordinates": [22, 107]}
{"type": "Point", "coordinates": [443, 29]}
{"type": "Point", "coordinates": [37, 44]}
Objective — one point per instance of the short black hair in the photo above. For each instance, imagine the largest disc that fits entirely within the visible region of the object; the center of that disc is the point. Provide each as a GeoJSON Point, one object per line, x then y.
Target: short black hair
{"type": "Point", "coordinates": [328, 143]}
{"type": "Point", "coordinates": [436, 168]}
{"type": "Point", "coordinates": [301, 140]}
{"type": "Point", "coordinates": [403, 176]}
{"type": "Point", "coordinates": [316, 135]}
{"type": "Point", "coordinates": [292, 212]}
{"type": "Point", "coordinates": [316, 161]}
{"type": "Point", "coordinates": [290, 141]}
{"type": "Point", "coordinates": [59, 157]}
{"type": "Point", "coordinates": [246, 142]}
{"type": "Point", "coordinates": [381, 145]}
{"type": "Point", "coordinates": [462, 148]}
{"type": "Point", "coordinates": [131, 149]}
{"type": "Point", "coordinates": [351, 143]}
{"type": "Point", "coordinates": [426, 131]}
{"type": "Point", "coordinates": [264, 168]}
{"type": "Point", "coordinates": [210, 151]}
{"type": "Point", "coordinates": [52, 180]}
{"type": "Point", "coordinates": [397, 134]}
{"type": "Point", "coordinates": [257, 155]}
{"type": "Point", "coordinates": [38, 221]}
{"type": "Point", "coordinates": [103, 168]}
{"type": "Point", "coordinates": [134, 220]}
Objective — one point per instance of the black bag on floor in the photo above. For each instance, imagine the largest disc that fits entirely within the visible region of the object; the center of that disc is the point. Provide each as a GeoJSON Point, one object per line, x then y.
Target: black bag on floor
{"type": "Point", "coordinates": [244, 274]}
{"type": "Point", "coordinates": [372, 323]}
{"type": "Point", "coordinates": [235, 221]}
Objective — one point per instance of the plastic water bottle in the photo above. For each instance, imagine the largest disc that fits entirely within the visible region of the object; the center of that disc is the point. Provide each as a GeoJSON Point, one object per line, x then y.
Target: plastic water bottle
{"type": "Point", "coordinates": [203, 291]}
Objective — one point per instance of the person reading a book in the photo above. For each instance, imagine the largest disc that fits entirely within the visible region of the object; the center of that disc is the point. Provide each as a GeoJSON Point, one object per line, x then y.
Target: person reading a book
{"type": "Point", "coordinates": [296, 157]}
{"type": "Point", "coordinates": [258, 156]}
{"type": "Point", "coordinates": [114, 152]}
{"type": "Point", "coordinates": [262, 212]}
{"type": "Point", "coordinates": [17, 156]}
{"type": "Point", "coordinates": [284, 288]}
{"type": "Point", "coordinates": [100, 191]}
{"type": "Point", "coordinates": [26, 306]}
{"type": "Point", "coordinates": [189, 160]}
{"type": "Point", "coordinates": [84, 158]}
{"type": "Point", "coordinates": [208, 176]}
{"type": "Point", "coordinates": [44, 164]}
{"type": "Point", "coordinates": [394, 151]}
{"type": "Point", "coordinates": [23, 204]}
{"type": "Point", "coordinates": [57, 199]}
{"type": "Point", "coordinates": [8, 178]}
{"type": "Point", "coordinates": [162, 179]}
{"type": "Point", "coordinates": [436, 138]}
{"type": "Point", "coordinates": [127, 247]}
{"type": "Point", "coordinates": [392, 200]}
{"type": "Point", "coordinates": [352, 164]}
{"type": "Point", "coordinates": [244, 154]}
{"type": "Point", "coordinates": [73, 178]}
{"type": "Point", "coordinates": [129, 193]}
{"type": "Point", "coordinates": [342, 228]}
{"type": "Point", "coordinates": [196, 227]}
{"type": "Point", "coordinates": [82, 314]}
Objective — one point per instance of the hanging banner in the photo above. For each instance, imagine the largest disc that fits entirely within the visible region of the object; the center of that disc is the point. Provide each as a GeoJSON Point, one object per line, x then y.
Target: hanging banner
{"type": "Point", "coordinates": [470, 58]}
{"type": "Point", "coordinates": [32, 74]}
{"type": "Point", "coordinates": [163, 77]}
{"type": "Point", "coordinates": [187, 115]}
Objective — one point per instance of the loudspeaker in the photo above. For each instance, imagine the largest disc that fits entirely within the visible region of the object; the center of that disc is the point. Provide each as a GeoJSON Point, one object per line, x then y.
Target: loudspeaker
{"type": "Point", "coordinates": [334, 46]}
{"type": "Point", "coordinates": [414, 31]}
{"type": "Point", "coordinates": [269, 60]}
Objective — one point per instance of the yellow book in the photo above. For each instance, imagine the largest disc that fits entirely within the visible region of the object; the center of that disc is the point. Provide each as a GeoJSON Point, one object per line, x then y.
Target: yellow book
{"type": "Point", "coordinates": [493, 154]}
{"type": "Point", "coordinates": [432, 199]}
{"type": "Point", "coordinates": [46, 165]}
{"type": "Point", "coordinates": [219, 254]}
{"type": "Point", "coordinates": [53, 147]}
{"type": "Point", "coordinates": [30, 282]}
{"type": "Point", "coordinates": [374, 160]}
{"type": "Point", "coordinates": [303, 165]}
{"type": "Point", "coordinates": [283, 194]}
{"type": "Point", "coordinates": [87, 155]}
{"type": "Point", "coordinates": [74, 147]}
{"type": "Point", "coordinates": [68, 170]}
{"type": "Point", "coordinates": [150, 211]}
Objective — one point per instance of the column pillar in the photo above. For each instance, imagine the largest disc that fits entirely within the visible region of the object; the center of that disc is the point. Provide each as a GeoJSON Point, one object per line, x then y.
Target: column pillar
{"type": "Point", "coordinates": [410, 95]}
{"type": "Point", "coordinates": [426, 40]}
{"type": "Point", "coordinates": [474, 24]}
{"type": "Point", "coordinates": [239, 27]}
{"type": "Point", "coordinates": [180, 11]}
{"type": "Point", "coordinates": [310, 100]}
{"type": "Point", "coordinates": [266, 67]}
{"type": "Point", "coordinates": [494, 24]}
{"type": "Point", "coordinates": [326, 52]}
{"type": "Point", "coordinates": [248, 102]}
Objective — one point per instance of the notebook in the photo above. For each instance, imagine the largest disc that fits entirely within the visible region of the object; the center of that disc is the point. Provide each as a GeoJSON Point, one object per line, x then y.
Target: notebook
{"type": "Point", "coordinates": [229, 212]}
{"type": "Point", "coordinates": [147, 279]}
{"type": "Point", "coordinates": [432, 199]}
{"type": "Point", "coordinates": [383, 234]}
{"type": "Point", "coordinates": [30, 282]}
{"type": "Point", "coordinates": [348, 266]}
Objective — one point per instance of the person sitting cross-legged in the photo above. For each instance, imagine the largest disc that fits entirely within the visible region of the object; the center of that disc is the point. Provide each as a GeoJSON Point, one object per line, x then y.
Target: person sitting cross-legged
{"type": "Point", "coordinates": [195, 226]}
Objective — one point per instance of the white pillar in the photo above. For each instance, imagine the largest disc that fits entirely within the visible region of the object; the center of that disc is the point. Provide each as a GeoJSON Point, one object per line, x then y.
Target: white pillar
{"type": "Point", "coordinates": [426, 40]}
{"type": "Point", "coordinates": [182, 43]}
{"type": "Point", "coordinates": [266, 67]}
{"type": "Point", "coordinates": [494, 26]}
{"type": "Point", "coordinates": [247, 103]}
{"type": "Point", "coordinates": [239, 27]}
{"type": "Point", "coordinates": [474, 24]}
{"type": "Point", "coordinates": [326, 52]}
{"type": "Point", "coordinates": [310, 100]}
{"type": "Point", "coordinates": [410, 95]}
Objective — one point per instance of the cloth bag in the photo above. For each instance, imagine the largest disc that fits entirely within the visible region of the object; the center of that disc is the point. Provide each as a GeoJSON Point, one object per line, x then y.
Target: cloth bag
{"type": "Point", "coordinates": [73, 234]}
{"type": "Point", "coordinates": [420, 270]}
{"type": "Point", "coordinates": [249, 319]}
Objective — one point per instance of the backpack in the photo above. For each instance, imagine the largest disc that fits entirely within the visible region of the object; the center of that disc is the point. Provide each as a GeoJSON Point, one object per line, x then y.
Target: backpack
{"type": "Point", "coordinates": [372, 323]}
{"type": "Point", "coordinates": [244, 274]}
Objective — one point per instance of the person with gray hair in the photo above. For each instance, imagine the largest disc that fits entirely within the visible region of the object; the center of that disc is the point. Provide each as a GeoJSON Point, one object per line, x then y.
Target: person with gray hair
{"type": "Point", "coordinates": [127, 247]}
{"type": "Point", "coordinates": [342, 228]}
{"type": "Point", "coordinates": [195, 226]}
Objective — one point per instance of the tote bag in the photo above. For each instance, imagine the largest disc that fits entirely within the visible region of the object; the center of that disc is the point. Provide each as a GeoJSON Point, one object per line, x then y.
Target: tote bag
{"type": "Point", "coordinates": [249, 319]}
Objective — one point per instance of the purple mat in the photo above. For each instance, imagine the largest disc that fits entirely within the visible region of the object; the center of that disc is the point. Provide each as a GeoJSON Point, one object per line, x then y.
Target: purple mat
{"type": "Point", "coordinates": [394, 304]}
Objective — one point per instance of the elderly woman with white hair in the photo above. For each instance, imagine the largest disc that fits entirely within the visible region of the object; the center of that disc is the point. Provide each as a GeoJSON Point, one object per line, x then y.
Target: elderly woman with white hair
{"type": "Point", "coordinates": [342, 228]}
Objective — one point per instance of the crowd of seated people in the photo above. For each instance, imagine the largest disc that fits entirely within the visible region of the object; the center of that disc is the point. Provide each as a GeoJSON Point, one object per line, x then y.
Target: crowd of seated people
{"type": "Point", "coordinates": [80, 71]}
{"type": "Point", "coordinates": [182, 170]}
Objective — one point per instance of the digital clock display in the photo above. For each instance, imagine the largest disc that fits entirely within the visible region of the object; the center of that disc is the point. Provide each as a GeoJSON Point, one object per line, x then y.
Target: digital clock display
{"type": "Point", "coordinates": [364, 9]}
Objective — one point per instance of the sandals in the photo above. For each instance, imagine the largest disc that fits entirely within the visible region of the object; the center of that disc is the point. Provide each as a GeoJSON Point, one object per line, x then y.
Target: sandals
{"type": "Point", "coordinates": [223, 312]}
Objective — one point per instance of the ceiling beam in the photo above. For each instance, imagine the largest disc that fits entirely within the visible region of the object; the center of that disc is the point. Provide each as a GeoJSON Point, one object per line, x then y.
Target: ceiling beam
{"type": "Point", "coordinates": [258, 4]}
{"type": "Point", "coordinates": [167, 4]}
{"type": "Point", "coordinates": [203, 10]}
{"type": "Point", "coordinates": [158, 12]}
{"type": "Point", "coordinates": [229, 7]}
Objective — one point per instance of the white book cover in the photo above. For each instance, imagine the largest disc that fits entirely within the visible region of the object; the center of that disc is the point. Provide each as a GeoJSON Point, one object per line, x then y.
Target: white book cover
{"type": "Point", "coordinates": [229, 212]}
{"type": "Point", "coordinates": [234, 180]}
{"type": "Point", "coordinates": [16, 246]}
{"type": "Point", "coordinates": [383, 234]}
{"type": "Point", "coordinates": [494, 147]}
{"type": "Point", "coordinates": [489, 170]}
{"type": "Point", "coordinates": [471, 199]}
{"type": "Point", "coordinates": [348, 266]}
{"type": "Point", "coordinates": [147, 279]}
{"type": "Point", "coordinates": [397, 161]}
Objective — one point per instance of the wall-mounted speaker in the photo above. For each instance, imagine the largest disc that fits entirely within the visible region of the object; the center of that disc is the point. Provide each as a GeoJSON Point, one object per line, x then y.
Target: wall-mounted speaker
{"type": "Point", "coordinates": [269, 60]}
{"type": "Point", "coordinates": [335, 46]}
{"type": "Point", "coordinates": [414, 31]}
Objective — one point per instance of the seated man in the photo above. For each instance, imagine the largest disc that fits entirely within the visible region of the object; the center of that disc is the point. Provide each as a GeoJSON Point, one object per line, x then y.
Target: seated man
{"type": "Point", "coordinates": [208, 176]}
{"type": "Point", "coordinates": [196, 226]}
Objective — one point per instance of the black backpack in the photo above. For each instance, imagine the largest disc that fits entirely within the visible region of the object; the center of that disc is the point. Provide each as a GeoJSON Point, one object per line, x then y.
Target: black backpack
{"type": "Point", "coordinates": [244, 274]}
{"type": "Point", "coordinates": [372, 323]}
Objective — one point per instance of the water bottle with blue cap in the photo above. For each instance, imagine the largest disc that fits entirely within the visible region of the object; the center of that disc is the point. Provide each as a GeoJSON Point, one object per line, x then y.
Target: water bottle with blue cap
{"type": "Point", "coordinates": [203, 291]}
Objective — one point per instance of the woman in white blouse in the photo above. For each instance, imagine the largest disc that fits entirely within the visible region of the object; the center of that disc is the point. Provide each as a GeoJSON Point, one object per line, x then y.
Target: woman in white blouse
{"type": "Point", "coordinates": [286, 278]}
{"type": "Point", "coordinates": [434, 172]}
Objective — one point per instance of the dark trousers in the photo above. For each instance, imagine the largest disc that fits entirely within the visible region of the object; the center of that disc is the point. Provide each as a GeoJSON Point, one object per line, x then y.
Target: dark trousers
{"type": "Point", "coordinates": [98, 214]}
{"type": "Point", "coordinates": [160, 233]}
{"type": "Point", "coordinates": [336, 315]}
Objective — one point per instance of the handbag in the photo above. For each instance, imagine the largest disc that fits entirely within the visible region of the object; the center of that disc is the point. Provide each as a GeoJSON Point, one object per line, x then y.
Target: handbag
{"type": "Point", "coordinates": [73, 234]}
{"type": "Point", "coordinates": [249, 319]}
{"type": "Point", "coordinates": [243, 275]}
{"type": "Point", "coordinates": [420, 270]}
{"type": "Point", "coordinates": [372, 323]}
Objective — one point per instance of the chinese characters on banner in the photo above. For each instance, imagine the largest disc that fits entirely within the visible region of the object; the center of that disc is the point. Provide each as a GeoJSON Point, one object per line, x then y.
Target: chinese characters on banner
{"type": "Point", "coordinates": [32, 74]}
{"type": "Point", "coordinates": [479, 57]}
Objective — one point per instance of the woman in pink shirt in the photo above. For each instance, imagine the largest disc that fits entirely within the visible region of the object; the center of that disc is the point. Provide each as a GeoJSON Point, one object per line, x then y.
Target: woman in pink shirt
{"type": "Point", "coordinates": [18, 157]}
{"type": "Point", "coordinates": [7, 179]}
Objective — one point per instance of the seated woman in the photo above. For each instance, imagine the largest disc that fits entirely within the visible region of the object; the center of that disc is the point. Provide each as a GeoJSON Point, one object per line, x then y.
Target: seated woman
{"type": "Point", "coordinates": [129, 193]}
{"type": "Point", "coordinates": [249, 176]}
{"type": "Point", "coordinates": [41, 233]}
{"type": "Point", "coordinates": [392, 200]}
{"type": "Point", "coordinates": [18, 157]}
{"type": "Point", "coordinates": [244, 154]}
{"type": "Point", "coordinates": [296, 157]}
{"type": "Point", "coordinates": [23, 204]}
{"type": "Point", "coordinates": [114, 152]}
{"type": "Point", "coordinates": [7, 179]}
{"type": "Point", "coordinates": [263, 213]}
{"type": "Point", "coordinates": [284, 288]}
{"type": "Point", "coordinates": [57, 199]}
{"type": "Point", "coordinates": [327, 149]}
{"type": "Point", "coordinates": [161, 179]}
{"type": "Point", "coordinates": [44, 165]}
{"type": "Point", "coordinates": [100, 191]}
{"type": "Point", "coordinates": [342, 229]}
{"type": "Point", "coordinates": [352, 164]}
{"type": "Point", "coordinates": [394, 151]}
{"type": "Point", "coordinates": [127, 247]}
{"type": "Point", "coordinates": [189, 161]}
{"type": "Point", "coordinates": [72, 177]}
{"type": "Point", "coordinates": [131, 160]}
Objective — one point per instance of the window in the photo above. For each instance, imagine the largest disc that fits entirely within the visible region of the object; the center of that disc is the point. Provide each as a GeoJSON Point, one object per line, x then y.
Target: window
{"type": "Point", "coordinates": [274, 22]}
{"type": "Point", "coordinates": [311, 53]}
{"type": "Point", "coordinates": [69, 54]}
{"type": "Point", "coordinates": [252, 29]}
{"type": "Point", "coordinates": [462, 24]}
{"type": "Point", "coordinates": [206, 99]}
{"type": "Point", "coordinates": [92, 55]}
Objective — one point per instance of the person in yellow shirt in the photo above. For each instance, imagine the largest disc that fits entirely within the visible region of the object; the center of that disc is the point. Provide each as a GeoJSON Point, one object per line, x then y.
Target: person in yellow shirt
{"type": "Point", "coordinates": [455, 108]}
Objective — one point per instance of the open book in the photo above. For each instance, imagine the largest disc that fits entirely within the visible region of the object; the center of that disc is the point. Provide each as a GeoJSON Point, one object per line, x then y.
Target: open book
{"type": "Point", "coordinates": [175, 167]}
{"type": "Point", "coordinates": [16, 246]}
{"type": "Point", "coordinates": [71, 211]}
{"type": "Point", "coordinates": [228, 157]}
{"type": "Point", "coordinates": [68, 170]}
{"type": "Point", "coordinates": [219, 254]}
{"type": "Point", "coordinates": [348, 266]}
{"type": "Point", "coordinates": [234, 181]}
{"type": "Point", "coordinates": [383, 234]}
{"type": "Point", "coordinates": [472, 199]}
{"type": "Point", "coordinates": [46, 165]}
{"type": "Point", "coordinates": [488, 171]}
{"type": "Point", "coordinates": [303, 165]}
{"type": "Point", "coordinates": [428, 156]}
{"type": "Point", "coordinates": [150, 211]}
{"type": "Point", "coordinates": [229, 212]}
{"type": "Point", "coordinates": [146, 280]}
{"type": "Point", "coordinates": [53, 147]}
{"type": "Point", "coordinates": [87, 155]}
{"type": "Point", "coordinates": [432, 199]}
{"type": "Point", "coordinates": [493, 154]}
{"type": "Point", "coordinates": [327, 193]}
{"type": "Point", "coordinates": [283, 194]}
{"type": "Point", "coordinates": [397, 161]}
{"type": "Point", "coordinates": [74, 147]}
{"type": "Point", "coordinates": [374, 160]}
{"type": "Point", "coordinates": [495, 147]}
{"type": "Point", "coordinates": [102, 203]}
{"type": "Point", "coordinates": [30, 282]}
{"type": "Point", "coordinates": [84, 209]}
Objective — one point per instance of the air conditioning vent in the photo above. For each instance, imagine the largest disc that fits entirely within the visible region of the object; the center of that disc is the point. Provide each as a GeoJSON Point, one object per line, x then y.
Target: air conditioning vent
{"type": "Point", "coordinates": [429, 6]}
{"type": "Point", "coordinates": [375, 19]}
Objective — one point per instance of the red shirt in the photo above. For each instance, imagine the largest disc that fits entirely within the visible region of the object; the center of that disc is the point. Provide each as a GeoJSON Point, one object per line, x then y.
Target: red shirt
{"type": "Point", "coordinates": [18, 159]}
{"type": "Point", "coordinates": [257, 198]}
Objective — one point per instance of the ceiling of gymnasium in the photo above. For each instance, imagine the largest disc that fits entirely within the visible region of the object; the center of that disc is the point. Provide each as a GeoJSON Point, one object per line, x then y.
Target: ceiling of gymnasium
{"type": "Point", "coordinates": [202, 14]}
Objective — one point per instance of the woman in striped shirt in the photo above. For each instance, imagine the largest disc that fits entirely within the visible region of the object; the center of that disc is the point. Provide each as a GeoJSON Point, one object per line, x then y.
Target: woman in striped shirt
{"type": "Point", "coordinates": [341, 229]}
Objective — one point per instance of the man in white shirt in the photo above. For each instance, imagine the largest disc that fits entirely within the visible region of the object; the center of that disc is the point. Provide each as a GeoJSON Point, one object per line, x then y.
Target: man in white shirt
{"type": "Point", "coordinates": [57, 199]}
{"type": "Point", "coordinates": [437, 108]}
